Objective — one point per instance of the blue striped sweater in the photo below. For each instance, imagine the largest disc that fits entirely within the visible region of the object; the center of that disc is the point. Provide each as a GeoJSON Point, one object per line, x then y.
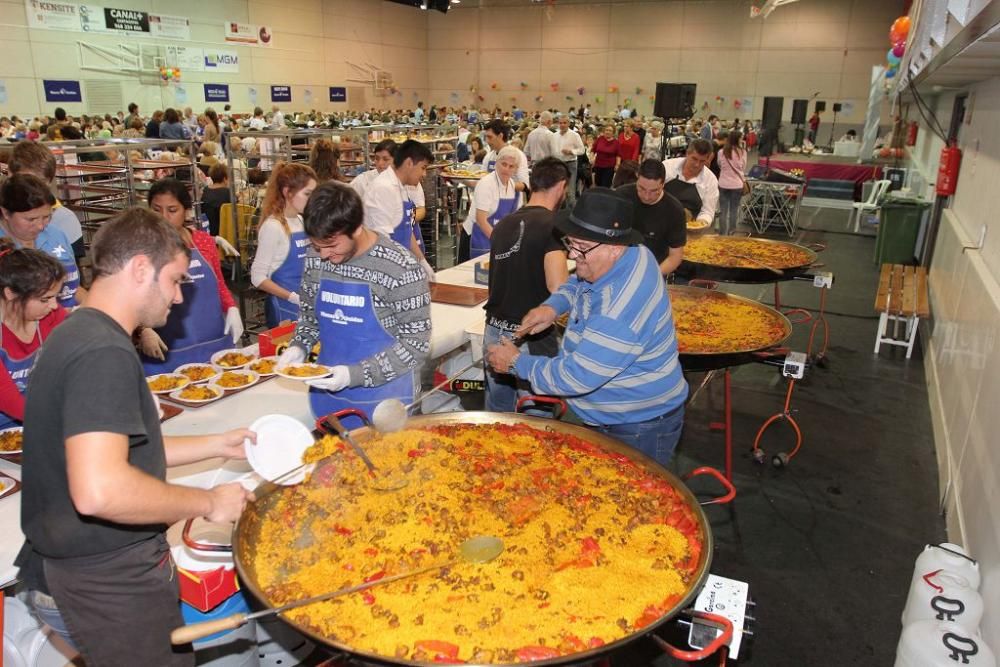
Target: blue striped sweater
{"type": "Point", "coordinates": [618, 363]}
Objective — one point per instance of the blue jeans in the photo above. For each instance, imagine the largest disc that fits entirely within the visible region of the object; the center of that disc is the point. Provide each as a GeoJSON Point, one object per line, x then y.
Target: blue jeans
{"type": "Point", "coordinates": [729, 209]}
{"type": "Point", "coordinates": [656, 438]}
{"type": "Point", "coordinates": [45, 609]}
{"type": "Point", "coordinates": [503, 390]}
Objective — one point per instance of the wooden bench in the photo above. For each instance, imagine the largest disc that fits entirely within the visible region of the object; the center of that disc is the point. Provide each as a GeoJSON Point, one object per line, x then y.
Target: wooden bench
{"type": "Point", "coordinates": [902, 297]}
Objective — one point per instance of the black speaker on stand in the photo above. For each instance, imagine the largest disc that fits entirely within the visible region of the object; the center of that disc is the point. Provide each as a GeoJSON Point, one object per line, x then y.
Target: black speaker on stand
{"type": "Point", "coordinates": [800, 109]}
{"type": "Point", "coordinates": [836, 109]}
{"type": "Point", "coordinates": [674, 100]}
{"type": "Point", "coordinates": [770, 124]}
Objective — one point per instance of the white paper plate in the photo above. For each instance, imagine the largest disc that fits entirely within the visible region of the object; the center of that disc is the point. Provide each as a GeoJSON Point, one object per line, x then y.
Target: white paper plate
{"type": "Point", "coordinates": [185, 378]}
{"type": "Point", "coordinates": [216, 371]}
{"type": "Point", "coordinates": [283, 372]}
{"type": "Point", "coordinates": [221, 353]}
{"type": "Point", "coordinates": [254, 379]}
{"type": "Point", "coordinates": [7, 485]}
{"type": "Point", "coordinates": [273, 358]}
{"type": "Point", "coordinates": [12, 429]}
{"type": "Point", "coordinates": [176, 395]}
{"type": "Point", "coordinates": [281, 441]}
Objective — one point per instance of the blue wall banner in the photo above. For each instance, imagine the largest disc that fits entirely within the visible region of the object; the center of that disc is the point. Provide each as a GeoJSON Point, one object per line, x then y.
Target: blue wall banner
{"type": "Point", "coordinates": [281, 93]}
{"type": "Point", "coordinates": [338, 94]}
{"type": "Point", "coordinates": [62, 91]}
{"type": "Point", "coordinates": [216, 92]}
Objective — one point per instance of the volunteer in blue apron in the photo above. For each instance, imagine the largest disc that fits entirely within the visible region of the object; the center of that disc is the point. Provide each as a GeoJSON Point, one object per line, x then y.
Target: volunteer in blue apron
{"type": "Point", "coordinates": [365, 302]}
{"type": "Point", "coordinates": [389, 205]}
{"type": "Point", "coordinates": [207, 320]}
{"type": "Point", "coordinates": [281, 241]}
{"type": "Point", "coordinates": [497, 134]}
{"type": "Point", "coordinates": [26, 203]}
{"type": "Point", "coordinates": [30, 282]}
{"type": "Point", "coordinates": [494, 198]}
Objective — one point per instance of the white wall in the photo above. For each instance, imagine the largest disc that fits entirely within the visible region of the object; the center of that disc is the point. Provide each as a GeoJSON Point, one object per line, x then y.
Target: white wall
{"type": "Point", "coordinates": [963, 359]}
{"type": "Point", "coordinates": [826, 46]}
{"type": "Point", "coordinates": [313, 39]}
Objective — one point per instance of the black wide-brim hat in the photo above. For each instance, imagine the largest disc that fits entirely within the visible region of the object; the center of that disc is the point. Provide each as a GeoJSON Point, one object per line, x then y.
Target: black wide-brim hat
{"type": "Point", "coordinates": [602, 216]}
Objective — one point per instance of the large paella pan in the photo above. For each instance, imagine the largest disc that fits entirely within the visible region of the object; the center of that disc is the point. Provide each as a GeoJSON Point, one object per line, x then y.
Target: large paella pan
{"type": "Point", "coordinates": [602, 544]}
{"type": "Point", "coordinates": [744, 260]}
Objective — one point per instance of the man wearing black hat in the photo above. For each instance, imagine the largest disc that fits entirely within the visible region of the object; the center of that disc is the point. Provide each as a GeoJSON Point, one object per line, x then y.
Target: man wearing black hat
{"type": "Point", "coordinates": [617, 367]}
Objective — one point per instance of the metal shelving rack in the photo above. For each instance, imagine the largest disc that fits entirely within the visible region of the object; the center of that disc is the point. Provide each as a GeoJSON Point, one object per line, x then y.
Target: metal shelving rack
{"type": "Point", "coordinates": [96, 179]}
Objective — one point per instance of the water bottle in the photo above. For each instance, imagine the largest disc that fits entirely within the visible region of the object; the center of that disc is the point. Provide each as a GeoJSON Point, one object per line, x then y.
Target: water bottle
{"type": "Point", "coordinates": [942, 644]}
{"type": "Point", "coordinates": [944, 596]}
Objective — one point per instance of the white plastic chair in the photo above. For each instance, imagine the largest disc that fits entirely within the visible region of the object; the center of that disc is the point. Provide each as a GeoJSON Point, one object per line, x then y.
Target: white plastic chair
{"type": "Point", "coordinates": [871, 204]}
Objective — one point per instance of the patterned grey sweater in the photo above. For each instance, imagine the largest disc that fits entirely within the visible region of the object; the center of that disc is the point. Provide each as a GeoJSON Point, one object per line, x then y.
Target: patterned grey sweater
{"type": "Point", "coordinates": [402, 302]}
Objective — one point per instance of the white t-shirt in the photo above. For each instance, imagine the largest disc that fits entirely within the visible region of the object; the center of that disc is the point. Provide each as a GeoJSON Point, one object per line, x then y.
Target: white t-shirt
{"type": "Point", "coordinates": [257, 123]}
{"type": "Point", "coordinates": [521, 175]}
{"type": "Point", "coordinates": [542, 143]}
{"type": "Point", "coordinates": [362, 181]}
{"type": "Point", "coordinates": [272, 247]}
{"type": "Point", "coordinates": [66, 220]}
{"type": "Point", "coordinates": [570, 141]}
{"type": "Point", "coordinates": [706, 182]}
{"type": "Point", "coordinates": [486, 197]}
{"type": "Point", "coordinates": [384, 202]}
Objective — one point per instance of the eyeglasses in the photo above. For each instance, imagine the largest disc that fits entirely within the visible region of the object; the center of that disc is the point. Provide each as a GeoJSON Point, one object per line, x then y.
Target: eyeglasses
{"type": "Point", "coordinates": [582, 253]}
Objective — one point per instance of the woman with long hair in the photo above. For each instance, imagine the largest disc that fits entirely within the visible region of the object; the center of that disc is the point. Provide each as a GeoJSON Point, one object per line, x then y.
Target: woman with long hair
{"type": "Point", "coordinates": [207, 320]}
{"type": "Point", "coordinates": [324, 158]}
{"type": "Point", "coordinates": [281, 240]}
{"type": "Point", "coordinates": [26, 204]}
{"type": "Point", "coordinates": [732, 164]}
{"type": "Point", "coordinates": [30, 282]}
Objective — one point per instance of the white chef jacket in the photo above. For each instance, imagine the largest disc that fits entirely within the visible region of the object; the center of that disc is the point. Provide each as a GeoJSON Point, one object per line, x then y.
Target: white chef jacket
{"type": "Point", "coordinates": [706, 182]}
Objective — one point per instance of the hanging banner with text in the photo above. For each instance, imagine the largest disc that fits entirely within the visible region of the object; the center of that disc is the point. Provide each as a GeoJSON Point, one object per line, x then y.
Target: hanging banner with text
{"type": "Point", "coordinates": [62, 91]}
{"type": "Point", "coordinates": [99, 19]}
{"type": "Point", "coordinates": [248, 34]}
{"type": "Point", "coordinates": [216, 92]}
{"type": "Point", "coordinates": [281, 93]}
{"type": "Point", "coordinates": [338, 94]}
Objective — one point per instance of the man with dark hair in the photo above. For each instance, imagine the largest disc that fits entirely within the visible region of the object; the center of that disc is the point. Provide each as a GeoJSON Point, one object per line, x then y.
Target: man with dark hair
{"type": "Point", "coordinates": [133, 113]}
{"type": "Point", "coordinates": [390, 207]}
{"type": "Point", "coordinates": [95, 504]}
{"type": "Point", "coordinates": [527, 264]}
{"type": "Point", "coordinates": [366, 301]}
{"type": "Point", "coordinates": [382, 156]}
{"type": "Point", "coordinates": [710, 127]}
{"type": "Point", "coordinates": [60, 115]}
{"type": "Point", "coordinates": [658, 215]}
{"type": "Point", "coordinates": [693, 184]}
{"type": "Point", "coordinates": [497, 134]}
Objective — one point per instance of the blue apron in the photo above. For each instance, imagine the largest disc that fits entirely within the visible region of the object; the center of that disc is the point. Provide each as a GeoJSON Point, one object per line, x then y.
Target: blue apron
{"type": "Point", "coordinates": [52, 241]}
{"type": "Point", "coordinates": [479, 243]}
{"type": "Point", "coordinates": [404, 230]}
{"type": "Point", "coordinates": [288, 276]}
{"type": "Point", "coordinates": [19, 370]}
{"type": "Point", "coordinates": [491, 164]}
{"type": "Point", "coordinates": [349, 331]}
{"type": "Point", "coordinates": [195, 327]}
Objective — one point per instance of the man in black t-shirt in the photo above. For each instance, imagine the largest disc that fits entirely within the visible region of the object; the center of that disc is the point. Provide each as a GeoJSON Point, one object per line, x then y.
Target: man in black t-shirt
{"type": "Point", "coordinates": [95, 505]}
{"type": "Point", "coordinates": [658, 215]}
{"type": "Point", "coordinates": [527, 264]}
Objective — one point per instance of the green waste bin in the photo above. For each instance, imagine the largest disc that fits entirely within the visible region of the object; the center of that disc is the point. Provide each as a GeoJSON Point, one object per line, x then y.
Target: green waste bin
{"type": "Point", "coordinates": [898, 230]}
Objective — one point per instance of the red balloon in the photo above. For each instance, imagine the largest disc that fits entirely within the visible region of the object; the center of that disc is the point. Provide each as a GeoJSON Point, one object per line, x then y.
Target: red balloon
{"type": "Point", "coordinates": [898, 49]}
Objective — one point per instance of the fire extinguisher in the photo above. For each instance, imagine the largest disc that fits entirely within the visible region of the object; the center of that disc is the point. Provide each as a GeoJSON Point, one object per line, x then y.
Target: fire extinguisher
{"type": "Point", "coordinates": [951, 158]}
{"type": "Point", "coordinates": [911, 134]}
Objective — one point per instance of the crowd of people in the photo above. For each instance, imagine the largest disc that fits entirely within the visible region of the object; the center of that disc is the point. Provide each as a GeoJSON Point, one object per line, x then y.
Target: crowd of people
{"type": "Point", "coordinates": [344, 259]}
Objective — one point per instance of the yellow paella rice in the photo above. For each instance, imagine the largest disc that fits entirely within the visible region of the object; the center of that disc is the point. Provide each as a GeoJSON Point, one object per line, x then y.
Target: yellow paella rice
{"type": "Point", "coordinates": [596, 545]}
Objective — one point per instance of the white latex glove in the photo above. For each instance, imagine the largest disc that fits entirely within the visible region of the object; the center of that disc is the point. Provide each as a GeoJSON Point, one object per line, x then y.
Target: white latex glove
{"type": "Point", "coordinates": [227, 247]}
{"type": "Point", "coordinates": [428, 270]}
{"type": "Point", "coordinates": [291, 355]}
{"type": "Point", "coordinates": [151, 344]}
{"type": "Point", "coordinates": [341, 378]}
{"type": "Point", "coordinates": [234, 324]}
{"type": "Point", "coordinates": [293, 297]}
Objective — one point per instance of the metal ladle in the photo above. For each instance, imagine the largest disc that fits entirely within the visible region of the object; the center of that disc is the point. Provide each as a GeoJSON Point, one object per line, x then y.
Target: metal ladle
{"type": "Point", "coordinates": [478, 549]}
{"type": "Point", "coordinates": [390, 415]}
{"type": "Point", "coordinates": [381, 482]}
